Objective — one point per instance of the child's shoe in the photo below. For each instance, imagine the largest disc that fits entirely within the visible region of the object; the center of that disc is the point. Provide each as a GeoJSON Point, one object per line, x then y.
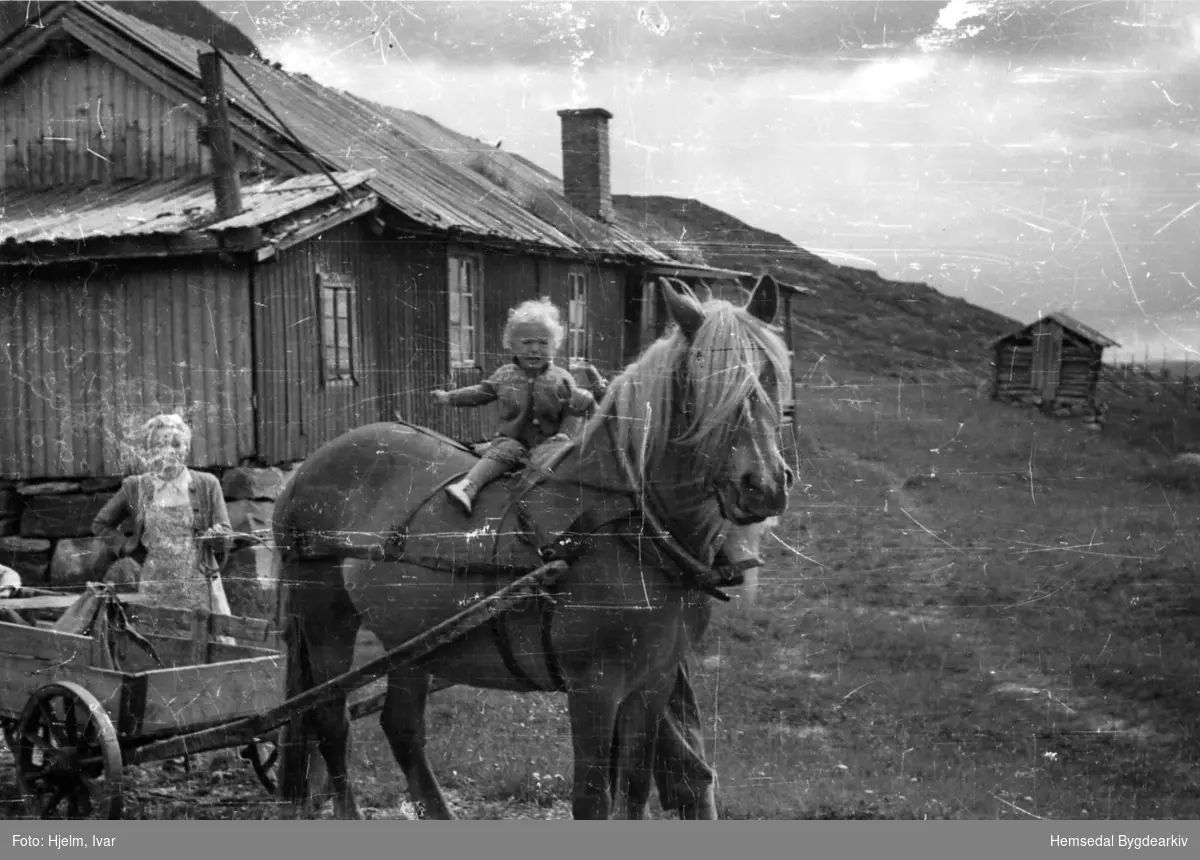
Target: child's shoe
{"type": "Point", "coordinates": [462, 493]}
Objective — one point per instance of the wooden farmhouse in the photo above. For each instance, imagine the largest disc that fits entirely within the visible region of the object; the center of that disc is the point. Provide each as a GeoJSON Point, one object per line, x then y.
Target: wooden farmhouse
{"type": "Point", "coordinates": [1053, 364]}
{"type": "Point", "coordinates": [277, 260]}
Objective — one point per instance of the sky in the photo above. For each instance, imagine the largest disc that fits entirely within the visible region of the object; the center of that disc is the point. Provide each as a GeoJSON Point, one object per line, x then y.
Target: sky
{"type": "Point", "coordinates": [1026, 155]}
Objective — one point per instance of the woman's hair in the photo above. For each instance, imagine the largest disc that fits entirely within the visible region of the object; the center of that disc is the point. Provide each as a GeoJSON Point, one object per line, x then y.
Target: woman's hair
{"type": "Point", "coordinates": [541, 311]}
{"type": "Point", "coordinates": [166, 421]}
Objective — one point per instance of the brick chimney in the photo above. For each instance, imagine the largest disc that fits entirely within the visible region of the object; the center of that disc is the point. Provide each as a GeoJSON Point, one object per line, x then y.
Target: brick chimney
{"type": "Point", "coordinates": [586, 179]}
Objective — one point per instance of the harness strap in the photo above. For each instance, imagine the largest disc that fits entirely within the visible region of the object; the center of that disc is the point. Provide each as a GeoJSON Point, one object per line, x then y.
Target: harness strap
{"type": "Point", "coordinates": [567, 546]}
{"type": "Point", "coordinates": [504, 646]}
{"type": "Point", "coordinates": [705, 577]}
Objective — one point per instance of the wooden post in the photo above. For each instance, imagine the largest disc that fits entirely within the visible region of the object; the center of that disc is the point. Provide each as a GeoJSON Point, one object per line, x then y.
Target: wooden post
{"type": "Point", "coordinates": [219, 137]}
{"type": "Point", "coordinates": [201, 619]}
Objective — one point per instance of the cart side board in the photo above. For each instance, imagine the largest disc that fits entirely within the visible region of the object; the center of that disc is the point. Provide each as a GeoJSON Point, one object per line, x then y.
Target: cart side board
{"type": "Point", "coordinates": [32, 657]}
{"type": "Point", "coordinates": [149, 700]}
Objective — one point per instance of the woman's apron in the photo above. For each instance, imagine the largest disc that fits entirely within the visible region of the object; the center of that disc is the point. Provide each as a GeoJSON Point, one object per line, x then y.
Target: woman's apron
{"type": "Point", "coordinates": [171, 574]}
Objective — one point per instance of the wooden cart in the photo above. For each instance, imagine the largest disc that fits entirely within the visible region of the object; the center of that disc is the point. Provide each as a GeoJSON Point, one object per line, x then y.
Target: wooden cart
{"type": "Point", "coordinates": [74, 723]}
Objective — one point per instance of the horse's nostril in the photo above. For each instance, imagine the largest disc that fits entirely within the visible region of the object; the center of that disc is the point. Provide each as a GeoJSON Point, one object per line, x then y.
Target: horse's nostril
{"type": "Point", "coordinates": [789, 477]}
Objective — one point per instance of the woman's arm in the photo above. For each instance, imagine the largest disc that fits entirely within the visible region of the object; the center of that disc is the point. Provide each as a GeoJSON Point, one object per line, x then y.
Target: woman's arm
{"type": "Point", "coordinates": [114, 512]}
{"type": "Point", "coordinates": [220, 513]}
{"type": "Point", "coordinates": [219, 533]}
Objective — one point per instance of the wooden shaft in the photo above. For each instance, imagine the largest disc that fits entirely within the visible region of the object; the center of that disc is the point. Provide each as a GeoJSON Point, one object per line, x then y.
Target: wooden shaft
{"type": "Point", "coordinates": [219, 137]}
{"type": "Point", "coordinates": [411, 652]}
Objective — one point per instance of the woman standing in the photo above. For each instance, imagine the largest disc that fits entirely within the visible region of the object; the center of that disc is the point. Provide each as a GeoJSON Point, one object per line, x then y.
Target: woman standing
{"type": "Point", "coordinates": [178, 514]}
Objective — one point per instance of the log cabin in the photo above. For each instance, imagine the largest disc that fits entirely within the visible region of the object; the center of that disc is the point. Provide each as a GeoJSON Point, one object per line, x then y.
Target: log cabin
{"type": "Point", "coordinates": [1053, 364]}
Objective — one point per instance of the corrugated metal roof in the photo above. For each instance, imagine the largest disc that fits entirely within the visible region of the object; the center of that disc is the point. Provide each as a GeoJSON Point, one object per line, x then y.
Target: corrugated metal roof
{"type": "Point", "coordinates": [436, 177]}
{"type": "Point", "coordinates": [1067, 322]}
{"type": "Point", "coordinates": [155, 208]}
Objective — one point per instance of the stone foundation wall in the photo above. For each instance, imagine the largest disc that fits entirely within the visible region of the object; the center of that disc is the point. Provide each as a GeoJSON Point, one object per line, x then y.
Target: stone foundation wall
{"type": "Point", "coordinates": [46, 533]}
{"type": "Point", "coordinates": [1092, 412]}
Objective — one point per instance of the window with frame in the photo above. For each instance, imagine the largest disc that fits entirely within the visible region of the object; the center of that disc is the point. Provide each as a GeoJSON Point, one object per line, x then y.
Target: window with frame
{"type": "Point", "coordinates": [577, 328]}
{"type": "Point", "coordinates": [339, 324]}
{"type": "Point", "coordinates": [466, 310]}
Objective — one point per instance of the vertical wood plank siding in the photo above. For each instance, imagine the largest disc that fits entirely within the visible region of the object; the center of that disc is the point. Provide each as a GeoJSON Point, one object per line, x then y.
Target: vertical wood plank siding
{"type": "Point", "coordinates": [297, 410]}
{"type": "Point", "coordinates": [404, 329]}
{"type": "Point", "coordinates": [85, 359]}
{"type": "Point", "coordinates": [80, 119]}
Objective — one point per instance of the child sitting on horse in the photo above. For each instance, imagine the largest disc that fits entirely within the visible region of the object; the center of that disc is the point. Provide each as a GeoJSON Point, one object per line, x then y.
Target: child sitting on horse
{"type": "Point", "coordinates": [536, 398]}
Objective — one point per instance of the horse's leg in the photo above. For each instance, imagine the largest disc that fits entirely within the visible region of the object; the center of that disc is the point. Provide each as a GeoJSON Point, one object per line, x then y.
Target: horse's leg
{"type": "Point", "coordinates": [633, 756]}
{"type": "Point", "coordinates": [593, 715]}
{"type": "Point", "coordinates": [685, 780]}
{"type": "Point", "coordinates": [330, 627]}
{"type": "Point", "coordinates": [403, 723]}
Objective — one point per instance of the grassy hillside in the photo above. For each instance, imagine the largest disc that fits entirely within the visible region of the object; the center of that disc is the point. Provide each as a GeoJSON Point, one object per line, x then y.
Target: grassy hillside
{"type": "Point", "coordinates": [855, 319]}
{"type": "Point", "coordinates": [856, 323]}
{"type": "Point", "coordinates": [186, 17]}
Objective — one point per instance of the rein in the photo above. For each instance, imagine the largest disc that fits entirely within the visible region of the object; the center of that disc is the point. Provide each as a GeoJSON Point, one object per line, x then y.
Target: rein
{"type": "Point", "coordinates": [708, 578]}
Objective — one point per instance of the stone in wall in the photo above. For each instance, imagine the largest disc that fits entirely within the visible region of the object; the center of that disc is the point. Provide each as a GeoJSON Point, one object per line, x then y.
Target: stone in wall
{"type": "Point", "coordinates": [30, 557]}
{"type": "Point", "coordinates": [11, 506]}
{"type": "Point", "coordinates": [247, 516]}
{"type": "Point", "coordinates": [100, 485]}
{"type": "Point", "coordinates": [49, 488]}
{"type": "Point", "coordinates": [61, 516]}
{"type": "Point", "coordinates": [77, 561]}
{"type": "Point", "coordinates": [250, 583]}
{"type": "Point", "coordinates": [245, 482]}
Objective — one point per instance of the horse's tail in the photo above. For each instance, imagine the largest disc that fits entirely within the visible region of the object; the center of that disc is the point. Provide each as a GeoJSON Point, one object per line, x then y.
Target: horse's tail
{"type": "Point", "coordinates": [298, 736]}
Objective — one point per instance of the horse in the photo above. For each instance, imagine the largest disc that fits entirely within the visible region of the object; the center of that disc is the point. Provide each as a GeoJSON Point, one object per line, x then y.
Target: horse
{"type": "Point", "coordinates": [683, 446]}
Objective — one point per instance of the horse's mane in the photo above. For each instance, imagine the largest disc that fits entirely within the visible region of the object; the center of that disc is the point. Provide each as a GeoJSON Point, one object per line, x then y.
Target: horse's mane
{"type": "Point", "coordinates": [723, 361]}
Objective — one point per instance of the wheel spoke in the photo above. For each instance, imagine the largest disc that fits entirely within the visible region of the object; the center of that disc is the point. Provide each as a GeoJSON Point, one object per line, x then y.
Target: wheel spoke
{"type": "Point", "coordinates": [72, 725]}
{"type": "Point", "coordinates": [48, 722]}
{"type": "Point", "coordinates": [38, 742]}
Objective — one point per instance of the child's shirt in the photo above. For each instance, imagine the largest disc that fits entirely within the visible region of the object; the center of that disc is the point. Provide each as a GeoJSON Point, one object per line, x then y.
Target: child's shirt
{"type": "Point", "coordinates": [532, 408]}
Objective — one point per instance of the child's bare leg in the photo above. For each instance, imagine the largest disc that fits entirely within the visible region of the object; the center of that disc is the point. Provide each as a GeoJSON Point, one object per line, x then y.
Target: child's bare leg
{"type": "Point", "coordinates": [504, 455]}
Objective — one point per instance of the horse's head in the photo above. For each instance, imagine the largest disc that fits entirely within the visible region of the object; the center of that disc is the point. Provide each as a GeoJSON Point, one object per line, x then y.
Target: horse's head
{"type": "Point", "coordinates": [727, 401]}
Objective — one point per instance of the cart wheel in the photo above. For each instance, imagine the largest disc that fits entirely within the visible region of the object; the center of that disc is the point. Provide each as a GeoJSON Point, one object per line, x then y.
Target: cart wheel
{"type": "Point", "coordinates": [68, 755]}
{"type": "Point", "coordinates": [263, 756]}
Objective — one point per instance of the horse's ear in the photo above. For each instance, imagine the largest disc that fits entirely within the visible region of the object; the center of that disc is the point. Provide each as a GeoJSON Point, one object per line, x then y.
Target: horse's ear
{"type": "Point", "coordinates": [764, 300]}
{"type": "Point", "coordinates": [683, 308]}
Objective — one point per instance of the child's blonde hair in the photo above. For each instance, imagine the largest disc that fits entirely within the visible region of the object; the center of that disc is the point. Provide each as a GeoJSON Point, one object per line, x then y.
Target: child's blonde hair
{"type": "Point", "coordinates": [535, 311]}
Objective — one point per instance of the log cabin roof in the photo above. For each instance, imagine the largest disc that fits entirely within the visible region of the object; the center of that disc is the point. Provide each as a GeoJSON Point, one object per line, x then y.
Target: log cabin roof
{"type": "Point", "coordinates": [1068, 322]}
{"type": "Point", "coordinates": [440, 179]}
